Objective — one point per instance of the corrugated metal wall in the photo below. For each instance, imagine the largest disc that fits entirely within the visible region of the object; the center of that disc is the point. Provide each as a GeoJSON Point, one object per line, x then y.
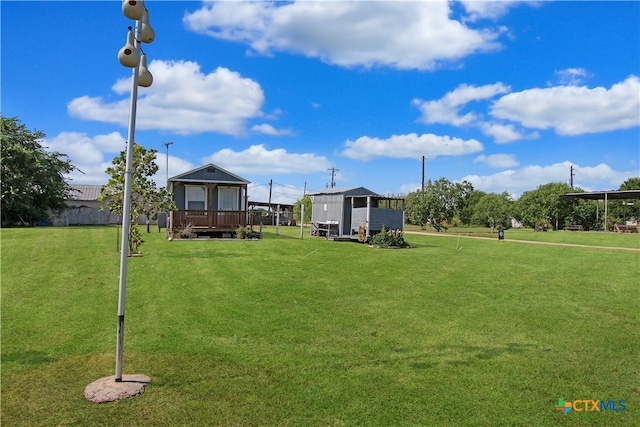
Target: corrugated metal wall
{"type": "Point", "coordinates": [391, 219]}
{"type": "Point", "coordinates": [327, 208]}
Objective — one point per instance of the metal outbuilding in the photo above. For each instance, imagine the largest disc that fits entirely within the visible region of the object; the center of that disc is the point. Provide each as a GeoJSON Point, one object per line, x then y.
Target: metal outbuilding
{"type": "Point", "coordinates": [84, 208]}
{"type": "Point", "coordinates": [344, 212]}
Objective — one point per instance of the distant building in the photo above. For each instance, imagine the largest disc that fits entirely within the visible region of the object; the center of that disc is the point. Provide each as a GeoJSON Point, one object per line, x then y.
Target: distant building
{"type": "Point", "coordinates": [83, 208]}
{"type": "Point", "coordinates": [210, 200]}
{"type": "Point", "coordinates": [516, 224]}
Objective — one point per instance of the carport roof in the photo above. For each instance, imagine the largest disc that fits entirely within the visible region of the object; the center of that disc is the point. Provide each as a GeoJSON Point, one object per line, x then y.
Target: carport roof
{"type": "Point", "coordinates": [609, 195]}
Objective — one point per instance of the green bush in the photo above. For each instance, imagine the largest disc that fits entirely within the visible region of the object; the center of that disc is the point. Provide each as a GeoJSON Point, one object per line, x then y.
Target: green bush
{"type": "Point", "coordinates": [246, 233]}
{"type": "Point", "coordinates": [389, 239]}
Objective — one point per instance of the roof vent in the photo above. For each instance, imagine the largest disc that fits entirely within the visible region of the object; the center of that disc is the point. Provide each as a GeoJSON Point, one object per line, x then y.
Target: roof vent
{"type": "Point", "coordinates": [211, 169]}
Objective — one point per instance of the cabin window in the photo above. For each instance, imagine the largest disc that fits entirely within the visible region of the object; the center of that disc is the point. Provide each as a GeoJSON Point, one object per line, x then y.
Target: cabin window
{"type": "Point", "coordinates": [196, 197]}
{"type": "Point", "coordinates": [228, 198]}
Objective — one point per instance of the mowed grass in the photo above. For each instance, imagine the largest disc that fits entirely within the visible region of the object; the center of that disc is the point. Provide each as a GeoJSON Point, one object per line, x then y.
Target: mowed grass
{"type": "Point", "coordinates": [291, 332]}
{"type": "Point", "coordinates": [590, 238]}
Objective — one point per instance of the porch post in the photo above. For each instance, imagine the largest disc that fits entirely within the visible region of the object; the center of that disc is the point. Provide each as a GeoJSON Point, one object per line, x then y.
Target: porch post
{"type": "Point", "coordinates": [246, 205]}
{"type": "Point", "coordinates": [209, 206]}
{"type": "Point", "coordinates": [368, 215]}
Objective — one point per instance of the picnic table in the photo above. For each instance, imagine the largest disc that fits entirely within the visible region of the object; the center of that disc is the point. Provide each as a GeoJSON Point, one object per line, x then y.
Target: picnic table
{"type": "Point", "coordinates": [574, 227]}
{"type": "Point", "coordinates": [622, 228]}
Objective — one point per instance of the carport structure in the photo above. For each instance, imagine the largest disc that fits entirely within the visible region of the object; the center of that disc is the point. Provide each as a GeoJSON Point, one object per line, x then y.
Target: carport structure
{"type": "Point", "coordinates": [606, 196]}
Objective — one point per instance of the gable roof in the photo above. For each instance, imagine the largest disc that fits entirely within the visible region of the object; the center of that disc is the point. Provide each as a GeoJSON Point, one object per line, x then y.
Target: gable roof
{"type": "Point", "coordinates": [209, 173]}
{"type": "Point", "coordinates": [347, 192]}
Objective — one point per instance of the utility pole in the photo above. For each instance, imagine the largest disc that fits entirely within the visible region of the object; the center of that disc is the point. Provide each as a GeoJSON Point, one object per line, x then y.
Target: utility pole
{"type": "Point", "coordinates": [571, 175]}
{"type": "Point", "coordinates": [333, 175]}
{"type": "Point", "coordinates": [423, 174]}
{"type": "Point", "coordinates": [167, 144]}
{"type": "Point", "coordinates": [304, 192]}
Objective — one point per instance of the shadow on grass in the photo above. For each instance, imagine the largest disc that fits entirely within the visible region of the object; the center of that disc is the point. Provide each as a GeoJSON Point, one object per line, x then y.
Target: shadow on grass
{"type": "Point", "coordinates": [28, 358]}
{"type": "Point", "coordinates": [203, 254]}
{"type": "Point", "coordinates": [458, 355]}
{"type": "Point", "coordinates": [470, 354]}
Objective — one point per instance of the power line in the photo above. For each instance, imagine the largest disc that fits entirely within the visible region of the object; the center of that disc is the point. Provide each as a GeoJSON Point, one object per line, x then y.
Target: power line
{"type": "Point", "coordinates": [288, 186]}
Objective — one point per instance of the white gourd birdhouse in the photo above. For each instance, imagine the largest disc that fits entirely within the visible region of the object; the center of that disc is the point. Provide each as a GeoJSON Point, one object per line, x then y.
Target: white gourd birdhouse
{"type": "Point", "coordinates": [133, 9]}
{"type": "Point", "coordinates": [128, 54]}
{"type": "Point", "coordinates": [145, 79]}
{"type": "Point", "coordinates": [147, 35]}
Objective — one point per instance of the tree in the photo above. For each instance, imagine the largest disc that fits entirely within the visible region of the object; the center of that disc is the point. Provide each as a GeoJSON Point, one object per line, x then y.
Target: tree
{"type": "Point", "coordinates": [466, 212]}
{"type": "Point", "coordinates": [621, 210]}
{"type": "Point", "coordinates": [585, 213]}
{"type": "Point", "coordinates": [544, 206]}
{"type": "Point", "coordinates": [435, 205]}
{"type": "Point", "coordinates": [630, 184]}
{"type": "Point", "coordinates": [297, 208]}
{"type": "Point", "coordinates": [463, 193]}
{"type": "Point", "coordinates": [33, 183]}
{"type": "Point", "coordinates": [493, 210]}
{"type": "Point", "coordinates": [146, 198]}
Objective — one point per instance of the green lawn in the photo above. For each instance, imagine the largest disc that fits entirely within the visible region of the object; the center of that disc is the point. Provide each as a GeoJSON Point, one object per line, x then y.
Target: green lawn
{"type": "Point", "coordinates": [291, 332]}
{"type": "Point", "coordinates": [591, 238]}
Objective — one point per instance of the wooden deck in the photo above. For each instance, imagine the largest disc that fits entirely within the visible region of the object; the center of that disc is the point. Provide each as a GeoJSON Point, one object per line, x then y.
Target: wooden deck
{"type": "Point", "coordinates": [209, 220]}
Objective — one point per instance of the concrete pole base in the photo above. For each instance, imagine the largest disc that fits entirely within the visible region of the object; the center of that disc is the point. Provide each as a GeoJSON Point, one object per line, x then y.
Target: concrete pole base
{"type": "Point", "coordinates": [108, 390]}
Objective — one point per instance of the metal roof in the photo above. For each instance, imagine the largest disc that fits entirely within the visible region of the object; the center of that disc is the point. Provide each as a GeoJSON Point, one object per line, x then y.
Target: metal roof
{"type": "Point", "coordinates": [350, 191]}
{"type": "Point", "coordinates": [609, 195]}
{"type": "Point", "coordinates": [84, 192]}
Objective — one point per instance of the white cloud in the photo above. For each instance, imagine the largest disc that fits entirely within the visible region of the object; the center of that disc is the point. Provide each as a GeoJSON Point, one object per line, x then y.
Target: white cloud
{"type": "Point", "coordinates": [404, 35]}
{"type": "Point", "coordinates": [446, 110]}
{"type": "Point", "coordinates": [182, 100]}
{"type": "Point", "coordinates": [93, 155]}
{"type": "Point", "coordinates": [87, 154]}
{"type": "Point", "coordinates": [258, 160]}
{"type": "Point", "coordinates": [571, 76]}
{"type": "Point", "coordinates": [409, 146]}
{"type": "Point", "coordinates": [569, 110]}
{"type": "Point", "coordinates": [497, 160]}
{"type": "Point", "coordinates": [479, 9]}
{"type": "Point", "coordinates": [409, 188]}
{"type": "Point", "coordinates": [267, 129]}
{"type": "Point", "coordinates": [285, 194]}
{"type": "Point", "coordinates": [176, 165]}
{"type": "Point", "coordinates": [518, 181]}
{"type": "Point", "coordinates": [504, 133]}
{"type": "Point", "coordinates": [574, 110]}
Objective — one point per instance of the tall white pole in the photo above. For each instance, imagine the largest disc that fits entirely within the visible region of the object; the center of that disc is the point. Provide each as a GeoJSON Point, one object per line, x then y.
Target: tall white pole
{"type": "Point", "coordinates": [126, 210]}
{"type": "Point", "coordinates": [166, 220]}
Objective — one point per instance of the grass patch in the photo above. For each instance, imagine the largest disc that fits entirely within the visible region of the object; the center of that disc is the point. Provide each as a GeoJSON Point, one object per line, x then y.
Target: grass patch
{"type": "Point", "coordinates": [589, 238]}
{"type": "Point", "coordinates": [284, 331]}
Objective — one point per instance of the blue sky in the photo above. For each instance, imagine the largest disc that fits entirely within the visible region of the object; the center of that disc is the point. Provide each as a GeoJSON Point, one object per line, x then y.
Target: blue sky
{"type": "Point", "coordinates": [507, 95]}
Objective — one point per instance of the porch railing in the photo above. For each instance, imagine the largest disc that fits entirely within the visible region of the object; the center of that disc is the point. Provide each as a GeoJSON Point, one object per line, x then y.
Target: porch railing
{"type": "Point", "coordinates": [209, 218]}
